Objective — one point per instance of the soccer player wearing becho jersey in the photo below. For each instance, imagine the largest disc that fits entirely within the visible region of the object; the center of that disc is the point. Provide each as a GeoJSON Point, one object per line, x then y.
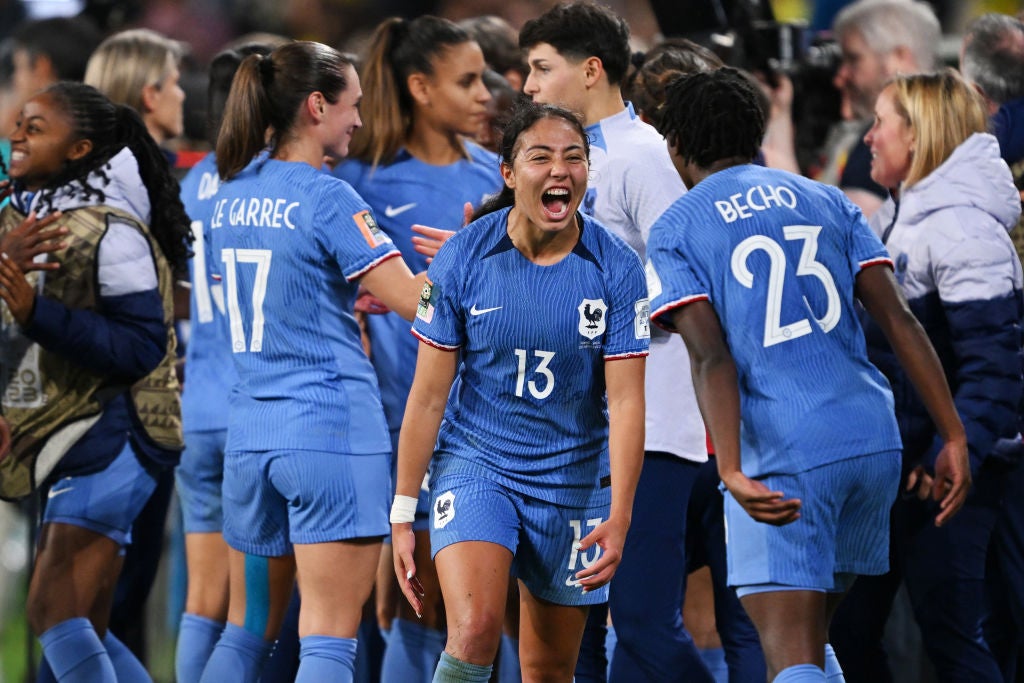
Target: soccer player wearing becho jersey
{"type": "Point", "coordinates": [306, 475]}
{"type": "Point", "coordinates": [757, 269]}
{"type": "Point", "coordinates": [424, 91]}
{"type": "Point", "coordinates": [540, 312]}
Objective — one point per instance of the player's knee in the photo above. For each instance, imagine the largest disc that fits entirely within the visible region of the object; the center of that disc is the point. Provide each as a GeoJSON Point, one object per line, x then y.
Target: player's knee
{"type": "Point", "coordinates": [475, 636]}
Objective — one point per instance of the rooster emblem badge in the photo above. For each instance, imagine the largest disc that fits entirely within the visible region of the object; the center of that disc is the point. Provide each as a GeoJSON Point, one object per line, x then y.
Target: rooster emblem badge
{"type": "Point", "coordinates": [592, 317]}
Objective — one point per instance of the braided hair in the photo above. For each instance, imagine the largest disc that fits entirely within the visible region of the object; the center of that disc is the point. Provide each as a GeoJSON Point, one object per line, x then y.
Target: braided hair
{"type": "Point", "coordinates": [713, 115]}
{"type": "Point", "coordinates": [112, 127]}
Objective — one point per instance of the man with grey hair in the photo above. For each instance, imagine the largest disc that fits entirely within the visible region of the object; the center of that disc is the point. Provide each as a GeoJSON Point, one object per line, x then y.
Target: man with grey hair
{"type": "Point", "coordinates": [992, 57]}
{"type": "Point", "coordinates": [879, 39]}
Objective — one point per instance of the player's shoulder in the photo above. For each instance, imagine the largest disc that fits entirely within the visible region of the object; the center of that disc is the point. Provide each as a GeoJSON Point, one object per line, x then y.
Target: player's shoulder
{"type": "Point", "coordinates": [605, 244]}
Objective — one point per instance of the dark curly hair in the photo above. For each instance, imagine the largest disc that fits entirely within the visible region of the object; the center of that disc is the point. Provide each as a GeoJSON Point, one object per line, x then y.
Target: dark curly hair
{"type": "Point", "coordinates": [713, 115]}
{"type": "Point", "coordinates": [112, 127]}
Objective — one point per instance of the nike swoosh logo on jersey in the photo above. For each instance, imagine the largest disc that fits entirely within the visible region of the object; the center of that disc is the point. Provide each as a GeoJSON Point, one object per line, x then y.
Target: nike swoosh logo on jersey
{"type": "Point", "coordinates": [56, 492]}
{"type": "Point", "coordinates": [481, 311]}
{"type": "Point", "coordinates": [392, 211]}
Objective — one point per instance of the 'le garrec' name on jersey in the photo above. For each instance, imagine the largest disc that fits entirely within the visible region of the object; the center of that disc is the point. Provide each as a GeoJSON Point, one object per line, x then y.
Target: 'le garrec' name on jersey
{"type": "Point", "coordinates": [757, 198]}
{"type": "Point", "coordinates": [254, 212]}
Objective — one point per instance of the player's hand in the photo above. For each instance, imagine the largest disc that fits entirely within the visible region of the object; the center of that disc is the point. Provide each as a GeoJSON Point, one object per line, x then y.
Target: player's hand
{"type": "Point", "coordinates": [5, 438]}
{"type": "Point", "coordinates": [761, 503]}
{"type": "Point", "coordinates": [610, 536]}
{"type": "Point", "coordinates": [32, 238]}
{"type": "Point", "coordinates": [952, 480]}
{"type": "Point", "coordinates": [368, 303]}
{"type": "Point", "coordinates": [403, 544]}
{"type": "Point", "coordinates": [15, 291]}
{"type": "Point", "coordinates": [429, 240]}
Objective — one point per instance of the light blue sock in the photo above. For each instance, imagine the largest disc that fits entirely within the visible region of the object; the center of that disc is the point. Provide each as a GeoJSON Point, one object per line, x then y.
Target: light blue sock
{"type": "Point", "coordinates": [238, 656]}
{"type": "Point", "coordinates": [197, 637]}
{"type": "Point", "coordinates": [611, 639]}
{"type": "Point", "coordinates": [508, 664]}
{"type": "Point", "coordinates": [126, 665]}
{"type": "Point", "coordinates": [451, 670]}
{"type": "Point", "coordinates": [412, 652]}
{"type": "Point", "coordinates": [323, 658]}
{"type": "Point", "coordinates": [75, 653]}
{"type": "Point", "coordinates": [801, 673]}
{"type": "Point", "coordinates": [833, 672]}
{"type": "Point", "coordinates": [714, 660]}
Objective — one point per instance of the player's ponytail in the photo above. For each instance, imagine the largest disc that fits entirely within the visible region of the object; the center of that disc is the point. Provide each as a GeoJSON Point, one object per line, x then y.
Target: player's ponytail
{"type": "Point", "coordinates": [246, 119]}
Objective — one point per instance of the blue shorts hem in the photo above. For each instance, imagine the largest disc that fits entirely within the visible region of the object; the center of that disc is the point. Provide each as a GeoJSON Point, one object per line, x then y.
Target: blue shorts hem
{"type": "Point", "coordinates": [119, 536]}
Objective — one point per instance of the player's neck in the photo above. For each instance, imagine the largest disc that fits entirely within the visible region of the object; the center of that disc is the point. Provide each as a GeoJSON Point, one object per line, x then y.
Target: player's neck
{"type": "Point", "coordinates": [701, 173]}
{"type": "Point", "coordinates": [602, 102]}
{"type": "Point", "coordinates": [434, 147]}
{"type": "Point", "coordinates": [542, 247]}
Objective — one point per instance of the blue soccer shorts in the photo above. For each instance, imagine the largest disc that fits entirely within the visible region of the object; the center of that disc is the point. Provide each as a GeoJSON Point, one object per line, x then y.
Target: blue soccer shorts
{"type": "Point", "coordinates": [843, 529]}
{"type": "Point", "coordinates": [199, 477]}
{"type": "Point", "coordinates": [274, 499]}
{"type": "Point", "coordinates": [107, 501]}
{"type": "Point", "coordinates": [541, 536]}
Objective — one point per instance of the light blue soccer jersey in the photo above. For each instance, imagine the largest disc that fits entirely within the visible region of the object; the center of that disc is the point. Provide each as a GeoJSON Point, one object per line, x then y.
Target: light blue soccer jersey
{"type": "Point", "coordinates": [208, 363]}
{"type": "Point", "coordinates": [404, 193]}
{"type": "Point", "coordinates": [292, 241]}
{"type": "Point", "coordinates": [777, 256]}
{"type": "Point", "coordinates": [528, 408]}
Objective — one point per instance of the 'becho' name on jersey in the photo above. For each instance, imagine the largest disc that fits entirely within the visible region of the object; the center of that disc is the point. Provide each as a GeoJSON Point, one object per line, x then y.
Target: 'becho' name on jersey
{"type": "Point", "coordinates": [757, 198]}
{"type": "Point", "coordinates": [254, 212]}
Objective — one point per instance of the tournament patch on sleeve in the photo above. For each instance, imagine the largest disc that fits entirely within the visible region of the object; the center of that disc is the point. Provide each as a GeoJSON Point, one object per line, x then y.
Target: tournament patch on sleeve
{"type": "Point", "coordinates": [372, 233]}
{"type": "Point", "coordinates": [428, 299]}
{"type": "Point", "coordinates": [642, 321]}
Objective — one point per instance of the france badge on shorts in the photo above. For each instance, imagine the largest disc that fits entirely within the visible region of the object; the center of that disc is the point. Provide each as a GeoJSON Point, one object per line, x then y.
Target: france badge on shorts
{"type": "Point", "coordinates": [444, 509]}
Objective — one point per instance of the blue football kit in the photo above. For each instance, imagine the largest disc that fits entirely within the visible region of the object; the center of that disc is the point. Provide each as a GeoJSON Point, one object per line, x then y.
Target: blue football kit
{"type": "Point", "coordinates": [291, 243]}
{"type": "Point", "coordinates": [777, 256]}
{"type": "Point", "coordinates": [527, 412]}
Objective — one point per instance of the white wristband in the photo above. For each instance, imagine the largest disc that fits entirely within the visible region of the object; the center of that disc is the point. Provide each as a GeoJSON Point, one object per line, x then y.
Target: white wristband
{"type": "Point", "coordinates": [403, 510]}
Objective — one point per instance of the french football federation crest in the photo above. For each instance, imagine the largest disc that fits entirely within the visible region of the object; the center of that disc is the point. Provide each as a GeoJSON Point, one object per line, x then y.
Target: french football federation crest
{"type": "Point", "coordinates": [592, 315]}
{"type": "Point", "coordinates": [444, 509]}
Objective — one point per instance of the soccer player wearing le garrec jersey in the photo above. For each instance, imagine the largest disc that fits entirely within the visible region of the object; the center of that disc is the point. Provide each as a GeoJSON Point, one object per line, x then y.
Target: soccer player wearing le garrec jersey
{"type": "Point", "coordinates": [305, 491]}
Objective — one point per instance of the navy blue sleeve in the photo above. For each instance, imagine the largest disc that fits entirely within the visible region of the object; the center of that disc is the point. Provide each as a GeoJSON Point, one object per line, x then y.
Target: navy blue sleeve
{"type": "Point", "coordinates": [125, 339]}
{"type": "Point", "coordinates": [987, 385]}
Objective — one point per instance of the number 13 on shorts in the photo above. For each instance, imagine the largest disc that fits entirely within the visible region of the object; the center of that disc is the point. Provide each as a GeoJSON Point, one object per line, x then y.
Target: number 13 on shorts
{"type": "Point", "coordinates": [581, 559]}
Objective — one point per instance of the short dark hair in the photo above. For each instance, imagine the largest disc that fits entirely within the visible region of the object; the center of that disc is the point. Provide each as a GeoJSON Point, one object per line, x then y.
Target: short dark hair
{"type": "Point", "coordinates": [66, 41]}
{"type": "Point", "coordinates": [579, 30]}
{"type": "Point", "coordinates": [713, 115]}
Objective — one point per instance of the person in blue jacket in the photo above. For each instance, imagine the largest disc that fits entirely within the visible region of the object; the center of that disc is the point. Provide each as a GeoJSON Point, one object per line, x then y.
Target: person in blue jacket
{"type": "Point", "coordinates": [88, 350]}
{"type": "Point", "coordinates": [946, 226]}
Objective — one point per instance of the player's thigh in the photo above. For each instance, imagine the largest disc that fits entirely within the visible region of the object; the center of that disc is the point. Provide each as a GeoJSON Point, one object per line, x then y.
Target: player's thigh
{"type": "Point", "coordinates": [549, 637]}
{"type": "Point", "coordinates": [335, 580]}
